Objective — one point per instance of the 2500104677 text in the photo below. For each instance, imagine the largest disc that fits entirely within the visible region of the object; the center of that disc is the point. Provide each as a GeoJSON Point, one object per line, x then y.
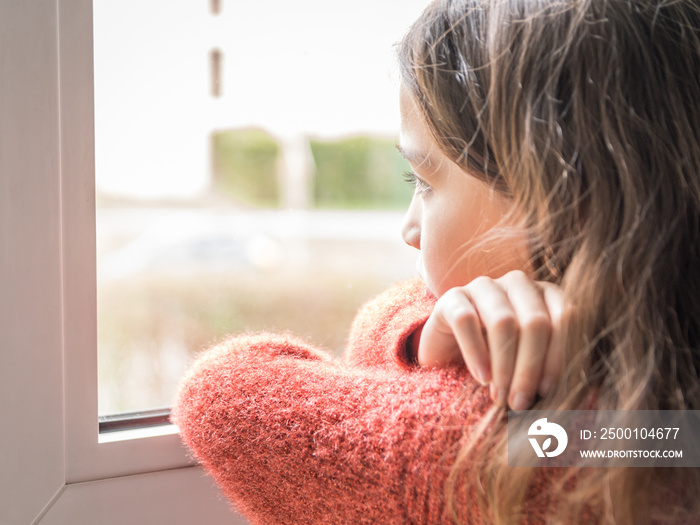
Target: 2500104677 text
{"type": "Point", "coordinates": [636, 433]}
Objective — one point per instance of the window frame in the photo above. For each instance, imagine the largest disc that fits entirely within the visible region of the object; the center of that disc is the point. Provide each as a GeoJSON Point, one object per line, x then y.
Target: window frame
{"type": "Point", "coordinates": [54, 467]}
{"type": "Point", "coordinates": [86, 457]}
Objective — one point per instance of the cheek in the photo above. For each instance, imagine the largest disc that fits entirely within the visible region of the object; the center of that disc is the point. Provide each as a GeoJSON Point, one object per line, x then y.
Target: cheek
{"type": "Point", "coordinates": [451, 244]}
{"type": "Point", "coordinates": [442, 245]}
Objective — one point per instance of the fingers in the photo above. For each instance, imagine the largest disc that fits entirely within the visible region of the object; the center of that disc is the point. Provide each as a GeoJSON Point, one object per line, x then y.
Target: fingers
{"type": "Point", "coordinates": [508, 331]}
{"type": "Point", "coordinates": [453, 333]}
{"type": "Point", "coordinates": [535, 327]}
{"type": "Point", "coordinates": [518, 328]}
{"type": "Point", "coordinates": [501, 326]}
{"type": "Point", "coordinates": [560, 314]}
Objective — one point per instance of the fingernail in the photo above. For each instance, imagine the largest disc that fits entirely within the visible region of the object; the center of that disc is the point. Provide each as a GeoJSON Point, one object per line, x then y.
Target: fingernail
{"type": "Point", "coordinates": [521, 401]}
{"type": "Point", "coordinates": [482, 376]}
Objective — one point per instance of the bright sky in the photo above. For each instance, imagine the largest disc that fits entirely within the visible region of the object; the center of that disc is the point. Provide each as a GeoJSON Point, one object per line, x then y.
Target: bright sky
{"type": "Point", "coordinates": [318, 67]}
{"type": "Point", "coordinates": [321, 66]}
{"type": "Point", "coordinates": [326, 66]}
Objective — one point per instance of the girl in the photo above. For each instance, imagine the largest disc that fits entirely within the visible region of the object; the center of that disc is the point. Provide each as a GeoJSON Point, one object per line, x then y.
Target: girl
{"type": "Point", "coordinates": [559, 139]}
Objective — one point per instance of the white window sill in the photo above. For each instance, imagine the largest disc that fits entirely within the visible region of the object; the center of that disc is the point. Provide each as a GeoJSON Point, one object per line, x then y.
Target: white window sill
{"type": "Point", "coordinates": [137, 433]}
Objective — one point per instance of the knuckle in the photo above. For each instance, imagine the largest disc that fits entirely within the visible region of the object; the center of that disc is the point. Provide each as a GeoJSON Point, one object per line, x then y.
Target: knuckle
{"type": "Point", "coordinates": [480, 282]}
{"type": "Point", "coordinates": [504, 323]}
{"type": "Point", "coordinates": [537, 323]}
{"type": "Point", "coordinates": [451, 295]}
{"type": "Point", "coordinates": [457, 309]}
{"type": "Point", "coordinates": [463, 316]}
{"type": "Point", "coordinates": [516, 275]}
{"type": "Point", "coordinates": [568, 313]}
{"type": "Point", "coordinates": [564, 317]}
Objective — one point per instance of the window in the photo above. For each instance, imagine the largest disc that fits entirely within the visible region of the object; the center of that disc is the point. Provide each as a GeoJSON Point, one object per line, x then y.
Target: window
{"type": "Point", "coordinates": [240, 173]}
{"type": "Point", "coordinates": [55, 468]}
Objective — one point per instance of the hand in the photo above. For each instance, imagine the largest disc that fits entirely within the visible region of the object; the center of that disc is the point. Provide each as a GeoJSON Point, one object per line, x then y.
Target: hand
{"type": "Point", "coordinates": [508, 331]}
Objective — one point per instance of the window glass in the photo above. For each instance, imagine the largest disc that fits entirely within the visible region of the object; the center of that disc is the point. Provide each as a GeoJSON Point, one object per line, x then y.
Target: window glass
{"type": "Point", "coordinates": [246, 177]}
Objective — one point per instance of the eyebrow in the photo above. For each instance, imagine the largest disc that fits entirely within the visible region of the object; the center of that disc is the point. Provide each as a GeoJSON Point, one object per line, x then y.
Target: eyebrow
{"type": "Point", "coordinates": [413, 157]}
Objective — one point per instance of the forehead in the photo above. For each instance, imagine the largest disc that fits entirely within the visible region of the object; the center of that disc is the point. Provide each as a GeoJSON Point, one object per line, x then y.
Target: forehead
{"type": "Point", "coordinates": [415, 141]}
{"type": "Point", "coordinates": [410, 111]}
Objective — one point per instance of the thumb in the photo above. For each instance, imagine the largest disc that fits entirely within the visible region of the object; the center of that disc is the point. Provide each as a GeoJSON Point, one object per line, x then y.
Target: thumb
{"type": "Point", "coordinates": [438, 346]}
{"type": "Point", "coordinates": [453, 335]}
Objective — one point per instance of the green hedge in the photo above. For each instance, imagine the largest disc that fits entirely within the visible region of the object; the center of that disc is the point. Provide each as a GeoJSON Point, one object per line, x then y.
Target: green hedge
{"type": "Point", "coordinates": [245, 166]}
{"type": "Point", "coordinates": [360, 172]}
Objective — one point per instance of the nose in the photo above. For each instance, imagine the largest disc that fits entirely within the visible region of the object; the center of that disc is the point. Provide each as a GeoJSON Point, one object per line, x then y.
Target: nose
{"type": "Point", "coordinates": [411, 226]}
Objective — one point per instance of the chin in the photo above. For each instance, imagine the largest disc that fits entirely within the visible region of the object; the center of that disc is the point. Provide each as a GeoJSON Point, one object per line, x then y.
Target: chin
{"type": "Point", "coordinates": [429, 287]}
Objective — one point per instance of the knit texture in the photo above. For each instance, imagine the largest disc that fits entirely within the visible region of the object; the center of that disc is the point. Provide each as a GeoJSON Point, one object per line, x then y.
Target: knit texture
{"type": "Point", "coordinates": [295, 437]}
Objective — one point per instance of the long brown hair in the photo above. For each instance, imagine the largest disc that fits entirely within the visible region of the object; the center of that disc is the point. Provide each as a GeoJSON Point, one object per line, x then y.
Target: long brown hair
{"type": "Point", "coordinates": [587, 114]}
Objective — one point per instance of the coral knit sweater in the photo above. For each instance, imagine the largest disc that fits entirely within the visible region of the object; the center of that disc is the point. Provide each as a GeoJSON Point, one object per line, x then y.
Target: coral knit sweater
{"type": "Point", "coordinates": [295, 437]}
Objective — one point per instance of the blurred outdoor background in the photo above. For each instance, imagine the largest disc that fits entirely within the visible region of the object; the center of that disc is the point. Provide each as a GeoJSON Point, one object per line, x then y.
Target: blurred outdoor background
{"type": "Point", "coordinates": [247, 177]}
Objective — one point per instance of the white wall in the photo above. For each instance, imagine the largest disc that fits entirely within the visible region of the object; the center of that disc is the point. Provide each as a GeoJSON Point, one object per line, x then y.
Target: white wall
{"type": "Point", "coordinates": [31, 401]}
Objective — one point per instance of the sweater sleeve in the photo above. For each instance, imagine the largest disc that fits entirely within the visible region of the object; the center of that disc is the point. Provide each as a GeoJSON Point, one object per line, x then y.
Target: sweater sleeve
{"type": "Point", "coordinates": [385, 329]}
{"type": "Point", "coordinates": [293, 437]}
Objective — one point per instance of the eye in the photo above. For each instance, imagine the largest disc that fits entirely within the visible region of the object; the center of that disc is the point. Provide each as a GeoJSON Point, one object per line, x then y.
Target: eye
{"type": "Point", "coordinates": [413, 179]}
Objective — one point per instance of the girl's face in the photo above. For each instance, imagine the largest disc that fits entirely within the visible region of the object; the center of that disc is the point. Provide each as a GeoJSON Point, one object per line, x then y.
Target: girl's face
{"type": "Point", "coordinates": [450, 210]}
